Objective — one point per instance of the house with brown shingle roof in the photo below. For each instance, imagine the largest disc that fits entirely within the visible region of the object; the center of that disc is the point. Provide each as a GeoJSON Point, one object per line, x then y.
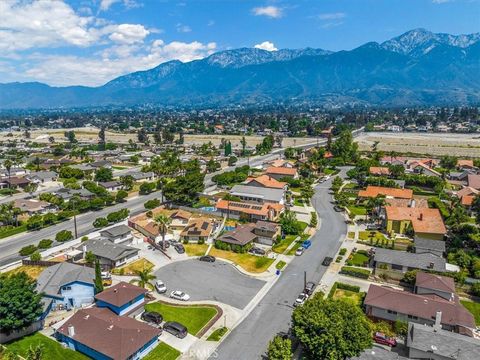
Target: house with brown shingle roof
{"type": "Point", "coordinates": [465, 164]}
{"type": "Point", "coordinates": [263, 232]}
{"type": "Point", "coordinates": [379, 171]}
{"type": "Point", "coordinates": [425, 222]}
{"type": "Point", "coordinates": [198, 229]}
{"type": "Point", "coordinates": [101, 334]}
{"type": "Point", "coordinates": [249, 211]}
{"type": "Point", "coordinates": [374, 191]}
{"type": "Point", "coordinates": [122, 298]}
{"type": "Point", "coordinates": [473, 180]}
{"type": "Point", "coordinates": [442, 286]}
{"type": "Point", "coordinates": [265, 181]}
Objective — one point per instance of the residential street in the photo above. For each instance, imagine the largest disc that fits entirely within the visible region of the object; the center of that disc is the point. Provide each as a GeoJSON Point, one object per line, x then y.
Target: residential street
{"type": "Point", "coordinates": [273, 313]}
{"type": "Point", "coordinates": [9, 247]}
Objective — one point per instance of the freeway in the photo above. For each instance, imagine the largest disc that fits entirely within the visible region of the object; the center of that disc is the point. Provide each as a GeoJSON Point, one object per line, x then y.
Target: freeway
{"type": "Point", "coordinates": [250, 338]}
{"type": "Point", "coordinates": [10, 246]}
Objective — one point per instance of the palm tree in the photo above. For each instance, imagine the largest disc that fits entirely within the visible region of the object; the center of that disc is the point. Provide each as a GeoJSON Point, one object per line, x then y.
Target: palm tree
{"type": "Point", "coordinates": [8, 166]}
{"type": "Point", "coordinates": [144, 278]}
{"type": "Point", "coordinates": [374, 204]}
{"type": "Point", "coordinates": [162, 221]}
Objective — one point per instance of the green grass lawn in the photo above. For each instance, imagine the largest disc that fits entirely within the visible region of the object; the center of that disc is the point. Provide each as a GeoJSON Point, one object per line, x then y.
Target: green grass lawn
{"type": "Point", "coordinates": [357, 259]}
{"type": "Point", "coordinates": [51, 348]}
{"type": "Point", "coordinates": [217, 334]}
{"type": "Point", "coordinates": [355, 297]}
{"type": "Point", "coordinates": [280, 247]}
{"type": "Point", "coordinates": [474, 308]}
{"type": "Point", "coordinates": [280, 265]}
{"type": "Point", "coordinates": [366, 235]}
{"type": "Point", "coordinates": [116, 167]}
{"type": "Point", "coordinates": [194, 317]}
{"type": "Point", "coordinates": [357, 210]}
{"type": "Point", "coordinates": [297, 201]}
{"type": "Point", "coordinates": [163, 352]}
{"type": "Point", "coordinates": [251, 263]}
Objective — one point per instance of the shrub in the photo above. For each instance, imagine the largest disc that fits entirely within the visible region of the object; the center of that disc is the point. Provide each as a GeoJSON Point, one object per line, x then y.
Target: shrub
{"type": "Point", "coordinates": [117, 216]}
{"type": "Point", "coordinates": [84, 238]}
{"type": "Point", "coordinates": [64, 235]}
{"type": "Point", "coordinates": [475, 289]}
{"type": "Point", "coordinates": [201, 242]}
{"type": "Point", "coordinates": [338, 259]}
{"type": "Point", "coordinates": [121, 196]}
{"type": "Point", "coordinates": [185, 241]}
{"type": "Point", "coordinates": [410, 277]}
{"type": "Point", "coordinates": [151, 204]}
{"type": "Point", "coordinates": [100, 223]}
{"type": "Point", "coordinates": [342, 251]}
{"type": "Point", "coordinates": [36, 256]}
{"type": "Point", "coordinates": [348, 287]}
{"type": "Point", "coordinates": [222, 245]}
{"type": "Point", "coordinates": [352, 271]}
{"type": "Point", "coordinates": [27, 250]}
{"type": "Point", "coordinates": [45, 244]}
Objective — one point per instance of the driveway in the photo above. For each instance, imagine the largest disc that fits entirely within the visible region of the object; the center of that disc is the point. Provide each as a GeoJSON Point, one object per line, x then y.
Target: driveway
{"type": "Point", "coordinates": [218, 281]}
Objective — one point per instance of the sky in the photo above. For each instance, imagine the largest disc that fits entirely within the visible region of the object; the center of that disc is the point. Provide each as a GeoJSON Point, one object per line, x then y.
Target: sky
{"type": "Point", "coordinates": [89, 42]}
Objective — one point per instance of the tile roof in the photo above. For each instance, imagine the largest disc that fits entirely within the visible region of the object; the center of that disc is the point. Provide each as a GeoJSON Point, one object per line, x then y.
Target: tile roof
{"type": "Point", "coordinates": [54, 277]}
{"type": "Point", "coordinates": [424, 220]}
{"type": "Point", "coordinates": [120, 294]}
{"type": "Point", "coordinates": [117, 337]}
{"type": "Point", "coordinates": [378, 170]}
{"type": "Point", "coordinates": [473, 181]}
{"type": "Point", "coordinates": [181, 214]}
{"type": "Point", "coordinates": [267, 181]}
{"type": "Point", "coordinates": [435, 282]}
{"type": "Point", "coordinates": [416, 203]}
{"type": "Point", "coordinates": [464, 162]}
{"type": "Point", "coordinates": [422, 261]}
{"type": "Point", "coordinates": [467, 190]}
{"type": "Point", "coordinates": [425, 307]}
{"type": "Point", "coordinates": [374, 191]}
{"type": "Point", "coordinates": [281, 171]}
{"type": "Point", "coordinates": [446, 344]}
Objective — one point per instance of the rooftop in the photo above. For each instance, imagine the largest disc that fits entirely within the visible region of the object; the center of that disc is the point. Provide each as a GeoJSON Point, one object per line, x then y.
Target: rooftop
{"type": "Point", "coordinates": [281, 171]}
{"type": "Point", "coordinates": [116, 231]}
{"type": "Point", "coordinates": [266, 194]}
{"type": "Point", "coordinates": [424, 220]}
{"type": "Point", "coordinates": [374, 191]}
{"type": "Point", "coordinates": [267, 181]}
{"type": "Point", "coordinates": [435, 282]}
{"type": "Point", "coordinates": [120, 294]}
{"type": "Point", "coordinates": [106, 249]}
{"type": "Point", "coordinates": [54, 277]}
{"type": "Point", "coordinates": [424, 261]}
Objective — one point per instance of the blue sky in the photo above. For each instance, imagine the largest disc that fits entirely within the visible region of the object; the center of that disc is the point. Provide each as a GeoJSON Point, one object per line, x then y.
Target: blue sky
{"type": "Point", "coordinates": [88, 42]}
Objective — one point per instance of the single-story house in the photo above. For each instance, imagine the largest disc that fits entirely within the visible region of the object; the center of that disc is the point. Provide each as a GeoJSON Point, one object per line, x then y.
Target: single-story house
{"type": "Point", "coordinates": [401, 261]}
{"type": "Point", "coordinates": [101, 334]}
{"type": "Point", "coordinates": [14, 171]}
{"type": "Point", "coordinates": [258, 195]}
{"type": "Point", "coordinates": [374, 191]}
{"type": "Point", "coordinates": [180, 219]}
{"type": "Point", "coordinates": [141, 176]}
{"type": "Point", "coordinates": [427, 342]}
{"type": "Point", "coordinates": [261, 232]}
{"type": "Point", "coordinates": [66, 286]}
{"type": "Point", "coordinates": [281, 163]}
{"type": "Point", "coordinates": [122, 298]}
{"type": "Point", "coordinates": [432, 284]}
{"type": "Point", "coordinates": [434, 247]}
{"type": "Point", "coordinates": [118, 234]}
{"type": "Point", "coordinates": [109, 255]}
{"type": "Point", "coordinates": [66, 194]}
{"type": "Point", "coordinates": [15, 182]}
{"type": "Point", "coordinates": [393, 160]}
{"type": "Point", "coordinates": [111, 185]}
{"type": "Point", "coordinates": [33, 206]}
{"type": "Point", "coordinates": [465, 164]}
{"type": "Point", "coordinates": [265, 181]}
{"type": "Point", "coordinates": [379, 171]}
{"type": "Point", "coordinates": [198, 229]}
{"type": "Point", "coordinates": [42, 177]}
{"type": "Point", "coordinates": [100, 164]}
{"type": "Point", "coordinates": [423, 168]}
{"type": "Point", "coordinates": [473, 180]}
{"type": "Point", "coordinates": [281, 172]}
{"type": "Point", "coordinates": [248, 211]}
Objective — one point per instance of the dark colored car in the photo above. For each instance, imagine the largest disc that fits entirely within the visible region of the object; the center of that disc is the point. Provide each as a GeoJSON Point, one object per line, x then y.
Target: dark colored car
{"type": "Point", "coordinates": [167, 244]}
{"type": "Point", "coordinates": [338, 208]}
{"type": "Point", "coordinates": [176, 329]}
{"type": "Point", "coordinates": [207, 258]}
{"type": "Point", "coordinates": [179, 248]}
{"type": "Point", "coordinates": [309, 288]}
{"type": "Point", "coordinates": [383, 339]}
{"type": "Point", "coordinates": [327, 261]}
{"type": "Point", "coordinates": [152, 317]}
{"type": "Point", "coordinates": [257, 251]}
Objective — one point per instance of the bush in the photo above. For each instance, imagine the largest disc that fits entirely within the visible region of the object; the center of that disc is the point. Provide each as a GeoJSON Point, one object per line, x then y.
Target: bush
{"type": "Point", "coordinates": [151, 204]}
{"type": "Point", "coordinates": [343, 251]}
{"type": "Point", "coordinates": [338, 259]}
{"type": "Point", "coordinates": [222, 245]}
{"type": "Point", "coordinates": [201, 242]}
{"type": "Point", "coordinates": [100, 223]}
{"type": "Point", "coordinates": [45, 244]}
{"type": "Point", "coordinates": [36, 256]}
{"type": "Point", "coordinates": [27, 250]}
{"type": "Point", "coordinates": [475, 289]}
{"type": "Point", "coordinates": [147, 188]}
{"type": "Point", "coordinates": [352, 271]}
{"type": "Point", "coordinates": [185, 241]}
{"type": "Point", "coordinates": [121, 196]}
{"type": "Point", "coordinates": [410, 277]}
{"type": "Point", "coordinates": [84, 238]}
{"type": "Point", "coordinates": [117, 216]}
{"type": "Point", "coordinates": [348, 287]}
{"type": "Point", "coordinates": [64, 235]}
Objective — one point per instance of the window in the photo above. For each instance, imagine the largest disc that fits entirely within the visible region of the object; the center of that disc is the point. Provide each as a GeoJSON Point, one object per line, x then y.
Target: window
{"type": "Point", "coordinates": [392, 312]}
{"type": "Point", "coordinates": [67, 288]}
{"type": "Point", "coordinates": [397, 267]}
{"type": "Point", "coordinates": [412, 317]}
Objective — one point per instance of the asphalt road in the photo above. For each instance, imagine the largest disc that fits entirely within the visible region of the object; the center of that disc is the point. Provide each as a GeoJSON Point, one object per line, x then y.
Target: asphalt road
{"type": "Point", "coordinates": [10, 246]}
{"type": "Point", "coordinates": [217, 281]}
{"type": "Point", "coordinates": [250, 339]}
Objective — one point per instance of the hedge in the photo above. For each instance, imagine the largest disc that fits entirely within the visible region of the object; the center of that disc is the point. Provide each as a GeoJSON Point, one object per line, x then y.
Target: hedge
{"type": "Point", "coordinates": [355, 272]}
{"type": "Point", "coordinates": [342, 286]}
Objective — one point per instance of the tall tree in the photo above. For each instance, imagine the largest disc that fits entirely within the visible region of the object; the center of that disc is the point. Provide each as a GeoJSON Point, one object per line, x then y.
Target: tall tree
{"type": "Point", "coordinates": [98, 283]}
{"type": "Point", "coordinates": [101, 138]}
{"type": "Point", "coordinates": [162, 221]}
{"type": "Point", "coordinates": [243, 141]}
{"type": "Point", "coordinates": [145, 277]}
{"type": "Point", "coordinates": [143, 136]}
{"type": "Point", "coordinates": [8, 166]}
{"type": "Point", "coordinates": [280, 349]}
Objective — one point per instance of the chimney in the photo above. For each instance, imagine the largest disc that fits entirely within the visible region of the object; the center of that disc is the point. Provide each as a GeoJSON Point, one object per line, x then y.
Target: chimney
{"type": "Point", "coordinates": [71, 331]}
{"type": "Point", "coordinates": [438, 321]}
{"type": "Point", "coordinates": [420, 217]}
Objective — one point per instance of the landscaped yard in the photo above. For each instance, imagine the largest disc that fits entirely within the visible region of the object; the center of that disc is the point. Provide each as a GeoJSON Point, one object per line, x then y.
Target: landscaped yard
{"type": "Point", "coordinates": [280, 247]}
{"type": "Point", "coordinates": [360, 258]}
{"type": "Point", "coordinates": [367, 235]}
{"type": "Point", "coordinates": [51, 348]}
{"type": "Point", "coordinates": [298, 201]}
{"type": "Point", "coordinates": [356, 297]}
{"type": "Point", "coordinates": [351, 234]}
{"type": "Point", "coordinates": [131, 268]}
{"type": "Point", "coordinates": [163, 352]}
{"type": "Point", "coordinates": [357, 210]}
{"type": "Point", "coordinates": [217, 334]}
{"type": "Point", "coordinates": [250, 263]}
{"type": "Point", "coordinates": [30, 270]}
{"type": "Point", "coordinates": [474, 308]}
{"type": "Point", "coordinates": [195, 249]}
{"type": "Point", "coordinates": [380, 240]}
{"type": "Point", "coordinates": [194, 317]}
{"type": "Point", "coordinates": [280, 265]}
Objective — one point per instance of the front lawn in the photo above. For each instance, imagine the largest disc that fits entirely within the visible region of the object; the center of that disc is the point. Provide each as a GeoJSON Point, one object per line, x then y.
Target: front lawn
{"type": "Point", "coordinates": [130, 269]}
{"type": "Point", "coordinates": [357, 210]}
{"type": "Point", "coordinates": [368, 235]}
{"type": "Point", "coordinates": [194, 317]}
{"type": "Point", "coordinates": [474, 308]}
{"type": "Point", "coordinates": [195, 249]}
{"type": "Point", "coordinates": [280, 247]}
{"type": "Point", "coordinates": [360, 258]}
{"type": "Point", "coordinates": [217, 334]}
{"type": "Point", "coordinates": [355, 297]}
{"type": "Point", "coordinates": [280, 265]}
{"type": "Point", "coordinates": [298, 201]}
{"type": "Point", "coordinates": [251, 263]}
{"type": "Point", "coordinates": [51, 348]}
{"type": "Point", "coordinates": [163, 351]}
{"type": "Point", "coordinates": [30, 270]}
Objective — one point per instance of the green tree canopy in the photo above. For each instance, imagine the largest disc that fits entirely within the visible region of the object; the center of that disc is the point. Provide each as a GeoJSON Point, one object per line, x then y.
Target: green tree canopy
{"type": "Point", "coordinates": [279, 349]}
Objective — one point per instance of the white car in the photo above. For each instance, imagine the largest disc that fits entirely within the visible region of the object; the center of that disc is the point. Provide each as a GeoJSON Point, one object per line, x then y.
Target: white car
{"type": "Point", "coordinates": [179, 295]}
{"type": "Point", "coordinates": [299, 251]}
{"type": "Point", "coordinates": [300, 300]}
{"type": "Point", "coordinates": [160, 286]}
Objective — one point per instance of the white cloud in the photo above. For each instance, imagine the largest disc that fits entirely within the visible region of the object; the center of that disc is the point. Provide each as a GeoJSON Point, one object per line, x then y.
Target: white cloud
{"type": "Point", "coordinates": [266, 45]}
{"type": "Point", "coordinates": [211, 23]}
{"type": "Point", "coordinates": [332, 16]}
{"type": "Point", "coordinates": [269, 11]}
{"type": "Point", "coordinates": [181, 28]}
{"type": "Point", "coordinates": [105, 4]}
{"type": "Point", "coordinates": [440, 1]}
{"type": "Point", "coordinates": [113, 62]}
{"type": "Point", "coordinates": [129, 4]}
{"type": "Point", "coordinates": [129, 34]}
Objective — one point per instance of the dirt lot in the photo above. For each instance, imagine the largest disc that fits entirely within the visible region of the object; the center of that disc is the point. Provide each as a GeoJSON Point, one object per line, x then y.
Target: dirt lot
{"type": "Point", "coordinates": [463, 145]}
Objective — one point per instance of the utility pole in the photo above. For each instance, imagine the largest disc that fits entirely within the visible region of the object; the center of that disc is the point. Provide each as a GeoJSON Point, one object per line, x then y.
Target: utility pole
{"type": "Point", "coordinates": [75, 220]}
{"type": "Point", "coordinates": [304, 279]}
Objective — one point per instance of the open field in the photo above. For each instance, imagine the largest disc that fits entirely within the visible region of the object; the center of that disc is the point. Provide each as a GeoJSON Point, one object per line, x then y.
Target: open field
{"type": "Point", "coordinates": [465, 145]}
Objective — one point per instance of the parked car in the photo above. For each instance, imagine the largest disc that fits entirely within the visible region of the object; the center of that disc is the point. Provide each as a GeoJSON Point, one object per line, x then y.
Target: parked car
{"type": "Point", "coordinates": [299, 251]}
{"type": "Point", "coordinates": [327, 261]}
{"type": "Point", "coordinates": [179, 295]}
{"type": "Point", "coordinates": [179, 248]}
{"type": "Point", "coordinates": [373, 227]}
{"type": "Point", "coordinates": [257, 251]}
{"type": "Point", "coordinates": [167, 244]}
{"type": "Point", "coordinates": [338, 208]}
{"type": "Point", "coordinates": [160, 287]}
{"type": "Point", "coordinates": [306, 244]}
{"type": "Point", "coordinates": [152, 317]}
{"type": "Point", "coordinates": [309, 287]}
{"type": "Point", "coordinates": [300, 300]}
{"type": "Point", "coordinates": [207, 258]}
{"type": "Point", "coordinates": [381, 338]}
{"type": "Point", "coordinates": [175, 329]}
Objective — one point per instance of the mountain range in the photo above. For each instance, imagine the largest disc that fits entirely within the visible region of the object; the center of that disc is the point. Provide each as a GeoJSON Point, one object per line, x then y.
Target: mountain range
{"type": "Point", "coordinates": [417, 68]}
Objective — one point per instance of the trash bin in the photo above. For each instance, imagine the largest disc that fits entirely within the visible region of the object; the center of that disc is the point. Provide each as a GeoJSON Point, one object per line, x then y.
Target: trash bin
{"type": "Point", "coordinates": [277, 272]}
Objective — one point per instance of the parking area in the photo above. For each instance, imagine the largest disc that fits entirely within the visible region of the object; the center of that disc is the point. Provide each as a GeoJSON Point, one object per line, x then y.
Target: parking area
{"type": "Point", "coordinates": [217, 281]}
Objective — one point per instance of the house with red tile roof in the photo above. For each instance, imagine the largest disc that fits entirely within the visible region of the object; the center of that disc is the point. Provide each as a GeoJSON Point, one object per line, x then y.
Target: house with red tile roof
{"type": "Point", "coordinates": [465, 164]}
{"type": "Point", "coordinates": [265, 181]}
{"type": "Point", "coordinates": [249, 211]}
{"type": "Point", "coordinates": [374, 191]}
{"type": "Point", "coordinates": [379, 171]}
{"type": "Point", "coordinates": [281, 172]}
{"type": "Point", "coordinates": [425, 222]}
